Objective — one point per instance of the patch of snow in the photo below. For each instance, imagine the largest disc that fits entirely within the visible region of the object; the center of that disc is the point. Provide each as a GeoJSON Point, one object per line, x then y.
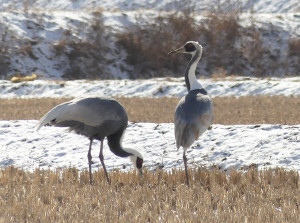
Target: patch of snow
{"type": "Point", "coordinates": [156, 87]}
{"type": "Point", "coordinates": [226, 146]}
{"type": "Point", "coordinates": [261, 6]}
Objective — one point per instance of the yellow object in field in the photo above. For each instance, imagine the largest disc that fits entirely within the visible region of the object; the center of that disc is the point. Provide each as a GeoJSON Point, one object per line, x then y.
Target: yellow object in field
{"type": "Point", "coordinates": [20, 79]}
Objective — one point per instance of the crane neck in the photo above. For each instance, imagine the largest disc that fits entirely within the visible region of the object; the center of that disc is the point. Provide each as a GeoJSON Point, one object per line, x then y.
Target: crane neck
{"type": "Point", "coordinates": [115, 144]}
{"type": "Point", "coordinates": [190, 76]}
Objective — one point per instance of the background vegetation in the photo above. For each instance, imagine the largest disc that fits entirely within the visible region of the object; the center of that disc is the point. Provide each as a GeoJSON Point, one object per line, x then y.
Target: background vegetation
{"type": "Point", "coordinates": [228, 46]}
{"type": "Point", "coordinates": [84, 56]}
{"type": "Point", "coordinates": [232, 44]}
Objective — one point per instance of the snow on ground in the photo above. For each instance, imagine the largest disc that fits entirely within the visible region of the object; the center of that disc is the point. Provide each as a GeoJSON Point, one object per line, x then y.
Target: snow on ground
{"type": "Point", "coordinates": [159, 87]}
{"type": "Point", "coordinates": [229, 146]}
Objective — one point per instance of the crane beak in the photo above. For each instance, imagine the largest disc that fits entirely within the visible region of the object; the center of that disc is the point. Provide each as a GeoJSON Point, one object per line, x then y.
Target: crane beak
{"type": "Point", "coordinates": [141, 172]}
{"type": "Point", "coordinates": [179, 50]}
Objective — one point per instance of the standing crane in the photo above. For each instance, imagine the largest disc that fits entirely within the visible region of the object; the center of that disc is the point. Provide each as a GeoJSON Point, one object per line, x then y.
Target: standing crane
{"type": "Point", "coordinates": [194, 112]}
{"type": "Point", "coordinates": [95, 118]}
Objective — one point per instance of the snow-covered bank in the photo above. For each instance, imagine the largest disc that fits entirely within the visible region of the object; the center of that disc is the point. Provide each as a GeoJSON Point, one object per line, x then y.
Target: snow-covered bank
{"type": "Point", "coordinates": [261, 6]}
{"type": "Point", "coordinates": [40, 40]}
{"type": "Point", "coordinates": [226, 146]}
{"type": "Point", "coordinates": [159, 87]}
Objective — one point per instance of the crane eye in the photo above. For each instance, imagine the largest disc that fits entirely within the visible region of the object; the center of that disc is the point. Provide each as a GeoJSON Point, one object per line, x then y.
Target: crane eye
{"type": "Point", "coordinates": [189, 47]}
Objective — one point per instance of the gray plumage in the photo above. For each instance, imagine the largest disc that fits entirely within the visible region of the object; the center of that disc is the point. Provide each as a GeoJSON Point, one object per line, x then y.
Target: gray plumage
{"type": "Point", "coordinates": [193, 115]}
{"type": "Point", "coordinates": [95, 118]}
{"type": "Point", "coordinates": [92, 117]}
{"type": "Point", "coordinates": [194, 112]}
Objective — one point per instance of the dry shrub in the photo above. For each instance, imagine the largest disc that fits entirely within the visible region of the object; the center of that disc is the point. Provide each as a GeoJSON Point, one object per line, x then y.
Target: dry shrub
{"type": "Point", "coordinates": [148, 42]}
{"type": "Point", "coordinates": [5, 51]}
{"type": "Point", "coordinates": [27, 50]}
{"type": "Point", "coordinates": [220, 29]}
{"type": "Point", "coordinates": [251, 47]}
{"type": "Point", "coordinates": [227, 44]}
{"type": "Point", "coordinates": [160, 196]}
{"type": "Point", "coordinates": [84, 61]}
{"type": "Point", "coordinates": [17, 48]}
{"type": "Point", "coordinates": [60, 46]}
{"type": "Point", "coordinates": [242, 110]}
{"type": "Point", "coordinates": [294, 47]}
{"type": "Point", "coordinates": [85, 56]}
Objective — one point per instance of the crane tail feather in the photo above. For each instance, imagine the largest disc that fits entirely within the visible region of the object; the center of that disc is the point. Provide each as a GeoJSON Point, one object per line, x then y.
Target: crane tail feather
{"type": "Point", "coordinates": [50, 116]}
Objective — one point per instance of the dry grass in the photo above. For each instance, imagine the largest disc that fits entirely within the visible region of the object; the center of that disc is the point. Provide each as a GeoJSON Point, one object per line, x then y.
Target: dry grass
{"type": "Point", "coordinates": [214, 196]}
{"type": "Point", "coordinates": [228, 110]}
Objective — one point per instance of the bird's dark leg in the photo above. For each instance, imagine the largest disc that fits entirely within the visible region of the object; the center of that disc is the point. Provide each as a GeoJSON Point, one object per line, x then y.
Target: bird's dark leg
{"type": "Point", "coordinates": [102, 161]}
{"type": "Point", "coordinates": [185, 166]}
{"type": "Point", "coordinates": [90, 160]}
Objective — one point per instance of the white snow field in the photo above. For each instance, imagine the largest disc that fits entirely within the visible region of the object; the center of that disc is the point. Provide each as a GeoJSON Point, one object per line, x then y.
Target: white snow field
{"type": "Point", "coordinates": [224, 146]}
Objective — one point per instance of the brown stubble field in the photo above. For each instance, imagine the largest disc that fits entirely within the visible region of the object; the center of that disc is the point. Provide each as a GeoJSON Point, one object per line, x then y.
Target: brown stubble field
{"type": "Point", "coordinates": [227, 110]}
{"type": "Point", "coordinates": [65, 195]}
{"type": "Point", "coordinates": [214, 196]}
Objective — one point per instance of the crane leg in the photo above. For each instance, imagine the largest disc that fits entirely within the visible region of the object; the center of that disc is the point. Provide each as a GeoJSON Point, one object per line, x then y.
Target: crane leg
{"type": "Point", "coordinates": [90, 161]}
{"type": "Point", "coordinates": [185, 166]}
{"type": "Point", "coordinates": [102, 161]}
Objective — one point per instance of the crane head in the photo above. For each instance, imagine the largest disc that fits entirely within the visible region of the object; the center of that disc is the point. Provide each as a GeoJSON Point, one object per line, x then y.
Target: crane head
{"type": "Point", "coordinates": [137, 160]}
{"type": "Point", "coordinates": [191, 47]}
